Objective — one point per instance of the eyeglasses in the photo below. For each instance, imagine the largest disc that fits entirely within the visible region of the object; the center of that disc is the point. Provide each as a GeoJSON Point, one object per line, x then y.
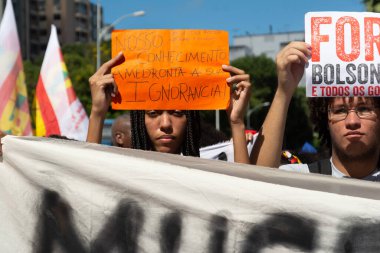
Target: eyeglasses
{"type": "Point", "coordinates": [339, 113]}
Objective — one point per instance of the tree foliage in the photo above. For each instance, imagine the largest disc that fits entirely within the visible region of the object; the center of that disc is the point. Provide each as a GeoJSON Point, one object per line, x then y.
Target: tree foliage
{"type": "Point", "coordinates": [262, 71]}
{"type": "Point", "coordinates": [372, 5]}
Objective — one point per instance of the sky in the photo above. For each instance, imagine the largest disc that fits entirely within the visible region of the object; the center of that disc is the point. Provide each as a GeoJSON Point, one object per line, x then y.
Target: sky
{"type": "Point", "coordinates": [238, 17]}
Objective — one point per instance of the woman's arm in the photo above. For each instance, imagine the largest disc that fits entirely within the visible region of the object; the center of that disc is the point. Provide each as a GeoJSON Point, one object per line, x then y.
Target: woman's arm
{"type": "Point", "coordinates": [290, 68]}
{"type": "Point", "coordinates": [103, 88]}
{"type": "Point", "coordinates": [240, 95]}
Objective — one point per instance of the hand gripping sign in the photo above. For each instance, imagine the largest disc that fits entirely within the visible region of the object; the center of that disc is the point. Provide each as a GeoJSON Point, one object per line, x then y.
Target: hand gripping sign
{"type": "Point", "coordinates": [345, 54]}
{"type": "Point", "coordinates": [171, 69]}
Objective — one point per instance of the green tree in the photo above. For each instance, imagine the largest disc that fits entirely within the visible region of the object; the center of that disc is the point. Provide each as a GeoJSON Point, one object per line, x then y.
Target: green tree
{"type": "Point", "coordinates": [372, 5]}
{"type": "Point", "coordinates": [32, 72]}
{"type": "Point", "coordinates": [262, 71]}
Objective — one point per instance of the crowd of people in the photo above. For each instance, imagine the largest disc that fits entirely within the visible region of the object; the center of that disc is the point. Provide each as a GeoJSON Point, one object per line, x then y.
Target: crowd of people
{"type": "Point", "coordinates": [348, 126]}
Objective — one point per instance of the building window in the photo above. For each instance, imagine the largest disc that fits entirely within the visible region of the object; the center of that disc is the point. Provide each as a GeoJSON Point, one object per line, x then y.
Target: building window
{"type": "Point", "coordinates": [33, 18]}
{"type": "Point", "coordinates": [81, 8]}
{"type": "Point", "coordinates": [34, 48]}
{"type": "Point", "coordinates": [269, 38]}
{"type": "Point", "coordinates": [284, 44]}
{"type": "Point", "coordinates": [41, 6]}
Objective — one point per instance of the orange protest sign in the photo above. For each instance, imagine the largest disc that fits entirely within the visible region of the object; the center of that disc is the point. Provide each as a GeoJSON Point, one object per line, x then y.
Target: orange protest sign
{"type": "Point", "coordinates": [171, 69]}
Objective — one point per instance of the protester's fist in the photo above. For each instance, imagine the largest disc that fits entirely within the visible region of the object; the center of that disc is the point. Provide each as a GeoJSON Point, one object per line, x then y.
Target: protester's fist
{"type": "Point", "coordinates": [103, 86]}
{"type": "Point", "coordinates": [290, 63]}
{"type": "Point", "coordinates": [240, 93]}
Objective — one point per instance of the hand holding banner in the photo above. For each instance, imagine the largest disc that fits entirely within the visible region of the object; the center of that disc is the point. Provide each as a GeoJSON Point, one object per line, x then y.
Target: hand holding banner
{"type": "Point", "coordinates": [171, 69]}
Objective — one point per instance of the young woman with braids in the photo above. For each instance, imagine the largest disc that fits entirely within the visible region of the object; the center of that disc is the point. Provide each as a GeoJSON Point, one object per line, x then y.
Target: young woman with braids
{"type": "Point", "coordinates": [168, 131]}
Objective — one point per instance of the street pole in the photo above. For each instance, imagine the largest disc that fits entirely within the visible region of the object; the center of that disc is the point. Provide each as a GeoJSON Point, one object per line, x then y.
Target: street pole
{"type": "Point", "coordinates": [101, 31]}
{"type": "Point", "coordinates": [98, 36]}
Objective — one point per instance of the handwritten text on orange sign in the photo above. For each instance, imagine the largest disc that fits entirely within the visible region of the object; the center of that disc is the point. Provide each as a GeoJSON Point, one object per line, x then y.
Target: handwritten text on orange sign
{"type": "Point", "coordinates": [171, 69]}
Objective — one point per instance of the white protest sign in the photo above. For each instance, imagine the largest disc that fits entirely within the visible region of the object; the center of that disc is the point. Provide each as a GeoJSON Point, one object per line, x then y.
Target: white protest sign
{"type": "Point", "coordinates": [345, 54]}
{"type": "Point", "coordinates": [66, 196]}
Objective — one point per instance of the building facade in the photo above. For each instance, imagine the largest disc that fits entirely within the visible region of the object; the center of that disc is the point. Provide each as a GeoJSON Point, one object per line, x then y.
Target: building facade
{"type": "Point", "coordinates": [268, 44]}
{"type": "Point", "coordinates": [76, 21]}
{"type": "Point", "coordinates": [264, 44]}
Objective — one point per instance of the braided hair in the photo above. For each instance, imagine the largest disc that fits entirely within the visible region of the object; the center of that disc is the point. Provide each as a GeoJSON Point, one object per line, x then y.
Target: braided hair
{"type": "Point", "coordinates": [190, 145]}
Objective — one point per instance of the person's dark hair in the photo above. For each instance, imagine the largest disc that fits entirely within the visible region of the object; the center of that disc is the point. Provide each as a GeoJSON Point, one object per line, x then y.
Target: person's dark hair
{"type": "Point", "coordinates": [319, 117]}
{"type": "Point", "coordinates": [141, 140]}
{"type": "Point", "coordinates": [60, 137]}
{"type": "Point", "coordinates": [210, 135]}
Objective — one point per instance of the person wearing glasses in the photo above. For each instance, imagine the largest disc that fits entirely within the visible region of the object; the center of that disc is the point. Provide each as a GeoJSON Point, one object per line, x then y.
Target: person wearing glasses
{"type": "Point", "coordinates": [349, 126]}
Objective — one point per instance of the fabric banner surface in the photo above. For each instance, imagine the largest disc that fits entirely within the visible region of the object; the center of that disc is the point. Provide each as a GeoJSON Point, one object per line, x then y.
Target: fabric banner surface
{"type": "Point", "coordinates": [14, 108]}
{"type": "Point", "coordinates": [67, 196]}
{"type": "Point", "coordinates": [58, 110]}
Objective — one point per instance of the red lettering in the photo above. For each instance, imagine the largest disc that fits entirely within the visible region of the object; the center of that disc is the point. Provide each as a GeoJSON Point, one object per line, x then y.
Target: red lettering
{"type": "Point", "coordinates": [316, 37]}
{"type": "Point", "coordinates": [313, 91]}
{"type": "Point", "coordinates": [370, 38]}
{"type": "Point", "coordinates": [373, 91]}
{"type": "Point", "coordinates": [355, 39]}
{"type": "Point", "coordinates": [322, 89]}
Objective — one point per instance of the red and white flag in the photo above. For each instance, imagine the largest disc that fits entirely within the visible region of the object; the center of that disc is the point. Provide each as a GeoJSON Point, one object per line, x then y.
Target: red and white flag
{"type": "Point", "coordinates": [14, 108]}
{"type": "Point", "coordinates": [58, 110]}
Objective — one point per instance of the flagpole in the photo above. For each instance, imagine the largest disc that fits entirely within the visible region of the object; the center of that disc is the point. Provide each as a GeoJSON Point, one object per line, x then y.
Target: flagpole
{"type": "Point", "coordinates": [98, 36]}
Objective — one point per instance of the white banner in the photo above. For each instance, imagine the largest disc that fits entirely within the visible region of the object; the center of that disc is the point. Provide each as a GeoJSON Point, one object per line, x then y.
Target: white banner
{"type": "Point", "coordinates": [345, 50]}
{"type": "Point", "coordinates": [67, 196]}
{"type": "Point", "coordinates": [223, 151]}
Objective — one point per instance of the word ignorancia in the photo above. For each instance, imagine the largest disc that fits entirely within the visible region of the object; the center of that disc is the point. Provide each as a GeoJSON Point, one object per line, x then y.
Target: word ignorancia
{"type": "Point", "coordinates": [180, 91]}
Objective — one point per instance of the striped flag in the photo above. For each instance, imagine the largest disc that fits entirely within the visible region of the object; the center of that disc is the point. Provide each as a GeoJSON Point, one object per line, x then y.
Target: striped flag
{"type": "Point", "coordinates": [58, 110]}
{"type": "Point", "coordinates": [14, 108]}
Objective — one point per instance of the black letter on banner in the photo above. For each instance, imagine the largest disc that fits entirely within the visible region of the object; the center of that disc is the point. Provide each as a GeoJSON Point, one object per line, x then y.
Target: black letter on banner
{"type": "Point", "coordinates": [55, 224]}
{"type": "Point", "coordinates": [122, 229]}
{"type": "Point", "coordinates": [363, 73]}
{"type": "Point", "coordinates": [338, 81]}
{"type": "Point", "coordinates": [349, 68]}
{"type": "Point", "coordinates": [282, 228]}
{"type": "Point", "coordinates": [329, 68]}
{"type": "Point", "coordinates": [359, 236]}
{"type": "Point", "coordinates": [316, 74]}
{"type": "Point", "coordinates": [219, 233]}
{"type": "Point", "coordinates": [171, 226]}
{"type": "Point", "coordinates": [375, 73]}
